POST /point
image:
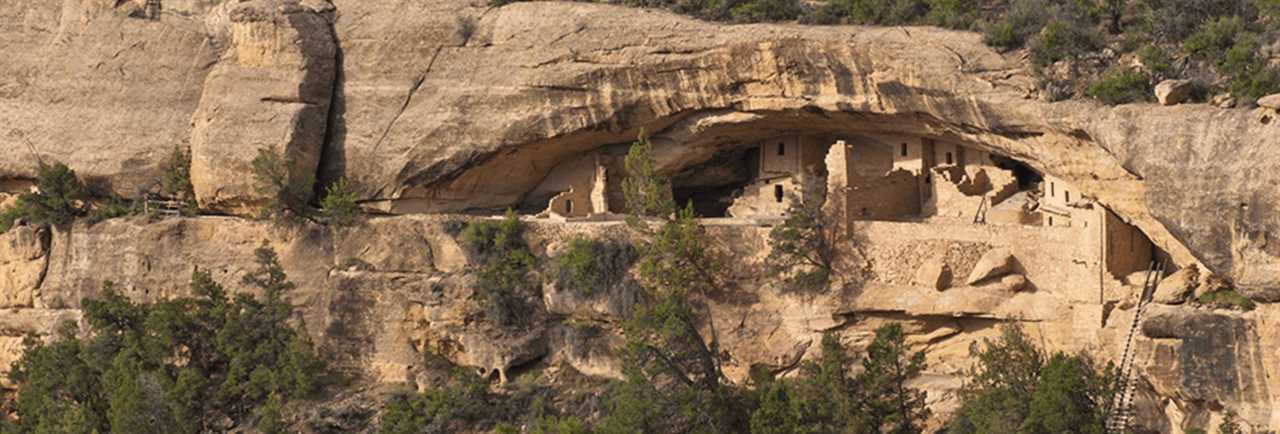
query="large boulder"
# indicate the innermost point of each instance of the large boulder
(994, 263)
(1270, 101)
(1014, 282)
(934, 273)
(271, 91)
(1171, 92)
(1175, 288)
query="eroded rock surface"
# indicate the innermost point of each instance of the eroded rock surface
(271, 89)
(429, 100)
(451, 105)
(24, 254)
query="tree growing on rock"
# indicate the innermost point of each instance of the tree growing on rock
(285, 197)
(889, 404)
(674, 381)
(822, 399)
(645, 192)
(339, 205)
(1015, 387)
(175, 182)
(177, 366)
(505, 262)
(802, 250)
(59, 198)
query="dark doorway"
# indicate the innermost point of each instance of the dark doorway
(1026, 176)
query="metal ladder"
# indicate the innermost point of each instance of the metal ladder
(1122, 405)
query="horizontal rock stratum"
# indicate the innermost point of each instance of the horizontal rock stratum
(447, 106)
(430, 100)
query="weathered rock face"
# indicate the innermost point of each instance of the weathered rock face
(377, 296)
(271, 89)
(23, 257)
(429, 100)
(449, 105)
(1210, 359)
(108, 94)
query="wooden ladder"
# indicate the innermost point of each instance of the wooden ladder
(163, 207)
(981, 215)
(1122, 405)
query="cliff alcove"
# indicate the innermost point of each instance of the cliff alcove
(970, 200)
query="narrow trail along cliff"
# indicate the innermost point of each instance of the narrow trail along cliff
(966, 200)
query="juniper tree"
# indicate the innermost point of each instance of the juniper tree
(59, 198)
(175, 366)
(674, 381)
(1015, 387)
(802, 249)
(505, 262)
(285, 195)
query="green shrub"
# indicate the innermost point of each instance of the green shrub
(175, 181)
(589, 265)
(1229, 424)
(176, 366)
(1068, 398)
(11, 215)
(59, 197)
(1226, 298)
(1227, 44)
(766, 10)
(1172, 21)
(1014, 387)
(1156, 61)
(462, 400)
(1212, 40)
(558, 425)
(1256, 82)
(270, 417)
(952, 14)
(1024, 19)
(1270, 8)
(285, 197)
(825, 14)
(1064, 39)
(1120, 87)
(339, 203)
(114, 207)
(505, 262)
(882, 12)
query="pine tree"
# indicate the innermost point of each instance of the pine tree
(889, 405)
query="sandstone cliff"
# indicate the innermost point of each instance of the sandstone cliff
(450, 106)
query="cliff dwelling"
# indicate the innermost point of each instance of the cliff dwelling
(876, 182)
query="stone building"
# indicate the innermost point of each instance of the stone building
(933, 182)
(579, 187)
(929, 182)
(790, 169)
